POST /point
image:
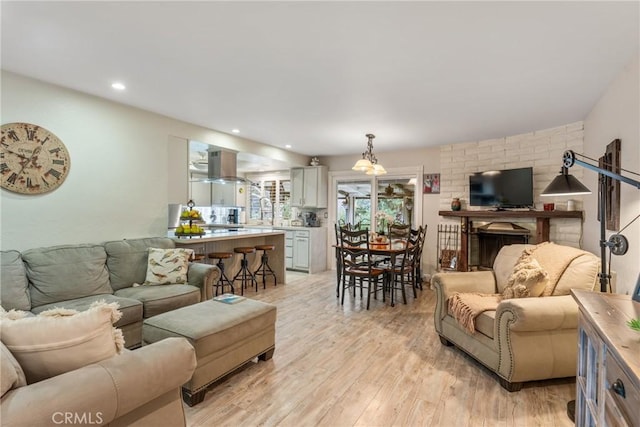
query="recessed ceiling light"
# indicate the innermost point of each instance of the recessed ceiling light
(287, 146)
(118, 86)
(235, 130)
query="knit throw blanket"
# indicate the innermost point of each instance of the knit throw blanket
(555, 259)
(466, 307)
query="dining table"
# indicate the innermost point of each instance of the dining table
(389, 249)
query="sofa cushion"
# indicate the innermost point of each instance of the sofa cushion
(167, 266)
(159, 299)
(131, 309)
(127, 261)
(485, 323)
(582, 273)
(556, 260)
(14, 291)
(61, 340)
(61, 273)
(504, 263)
(11, 373)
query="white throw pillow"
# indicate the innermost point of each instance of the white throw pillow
(528, 279)
(62, 340)
(167, 266)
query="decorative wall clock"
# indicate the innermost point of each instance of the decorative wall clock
(32, 159)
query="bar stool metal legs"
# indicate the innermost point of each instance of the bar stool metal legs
(265, 269)
(224, 280)
(244, 275)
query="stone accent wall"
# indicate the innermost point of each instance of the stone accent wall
(541, 149)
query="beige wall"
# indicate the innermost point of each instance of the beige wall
(118, 182)
(616, 115)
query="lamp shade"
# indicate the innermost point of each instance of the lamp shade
(565, 185)
(362, 165)
(377, 170)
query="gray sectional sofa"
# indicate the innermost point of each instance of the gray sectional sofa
(74, 276)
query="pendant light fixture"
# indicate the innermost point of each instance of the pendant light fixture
(369, 163)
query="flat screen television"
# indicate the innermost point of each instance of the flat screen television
(508, 188)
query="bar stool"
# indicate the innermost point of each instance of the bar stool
(265, 269)
(244, 274)
(223, 280)
(197, 257)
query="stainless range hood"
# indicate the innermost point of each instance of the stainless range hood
(223, 168)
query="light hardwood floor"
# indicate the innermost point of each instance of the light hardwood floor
(345, 366)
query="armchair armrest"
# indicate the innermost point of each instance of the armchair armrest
(446, 284)
(472, 281)
(536, 338)
(203, 276)
(540, 314)
(105, 390)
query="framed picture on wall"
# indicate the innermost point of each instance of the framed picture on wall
(431, 183)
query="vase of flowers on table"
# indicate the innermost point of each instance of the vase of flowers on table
(383, 219)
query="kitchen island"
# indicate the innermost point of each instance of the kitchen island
(224, 240)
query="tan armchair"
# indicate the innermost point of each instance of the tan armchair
(136, 388)
(524, 339)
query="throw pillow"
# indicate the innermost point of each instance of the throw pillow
(61, 340)
(528, 279)
(12, 375)
(167, 266)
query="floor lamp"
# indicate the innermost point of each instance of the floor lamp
(567, 185)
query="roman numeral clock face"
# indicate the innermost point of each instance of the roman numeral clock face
(32, 159)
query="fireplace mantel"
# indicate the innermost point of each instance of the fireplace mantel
(542, 225)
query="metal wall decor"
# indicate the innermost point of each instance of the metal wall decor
(611, 162)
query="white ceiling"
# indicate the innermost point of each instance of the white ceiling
(320, 75)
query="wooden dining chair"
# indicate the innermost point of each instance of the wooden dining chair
(402, 273)
(418, 236)
(358, 269)
(398, 231)
(338, 227)
(339, 266)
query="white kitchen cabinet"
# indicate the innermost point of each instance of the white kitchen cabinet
(223, 194)
(309, 187)
(241, 194)
(305, 248)
(199, 192)
(301, 250)
(288, 250)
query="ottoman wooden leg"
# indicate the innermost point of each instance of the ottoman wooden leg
(193, 399)
(267, 354)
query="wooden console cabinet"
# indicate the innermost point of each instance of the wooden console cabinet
(542, 225)
(607, 384)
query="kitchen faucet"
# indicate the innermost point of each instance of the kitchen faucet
(266, 207)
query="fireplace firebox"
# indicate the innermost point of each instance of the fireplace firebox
(495, 235)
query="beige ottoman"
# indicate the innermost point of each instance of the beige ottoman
(225, 336)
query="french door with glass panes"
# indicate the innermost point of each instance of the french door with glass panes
(358, 206)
